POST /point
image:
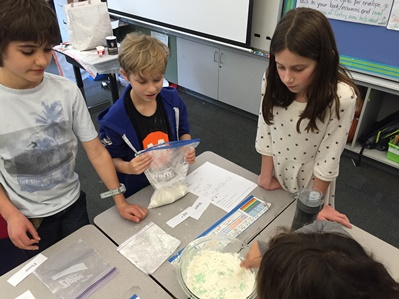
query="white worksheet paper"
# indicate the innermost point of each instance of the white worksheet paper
(221, 187)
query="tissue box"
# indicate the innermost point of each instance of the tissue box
(393, 152)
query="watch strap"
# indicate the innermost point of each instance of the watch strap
(119, 190)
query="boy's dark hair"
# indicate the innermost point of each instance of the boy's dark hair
(321, 265)
(27, 20)
(307, 33)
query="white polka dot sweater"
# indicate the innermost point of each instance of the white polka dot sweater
(298, 157)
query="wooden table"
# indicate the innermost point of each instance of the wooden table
(127, 281)
(382, 251)
(119, 229)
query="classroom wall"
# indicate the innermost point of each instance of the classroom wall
(265, 16)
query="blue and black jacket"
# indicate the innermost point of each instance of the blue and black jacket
(120, 138)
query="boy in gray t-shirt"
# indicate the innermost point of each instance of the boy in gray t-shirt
(42, 117)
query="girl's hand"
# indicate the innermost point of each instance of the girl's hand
(139, 164)
(190, 156)
(253, 257)
(329, 213)
(268, 183)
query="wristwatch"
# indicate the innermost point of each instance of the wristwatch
(113, 192)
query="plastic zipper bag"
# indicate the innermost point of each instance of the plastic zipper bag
(75, 272)
(168, 170)
(149, 248)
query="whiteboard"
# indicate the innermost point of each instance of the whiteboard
(225, 20)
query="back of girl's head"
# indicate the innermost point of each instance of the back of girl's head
(27, 21)
(139, 53)
(321, 265)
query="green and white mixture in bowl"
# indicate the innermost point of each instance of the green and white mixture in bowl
(209, 267)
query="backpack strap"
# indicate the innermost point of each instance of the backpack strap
(359, 157)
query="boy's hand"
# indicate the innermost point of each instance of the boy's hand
(139, 164)
(253, 257)
(190, 156)
(18, 227)
(132, 212)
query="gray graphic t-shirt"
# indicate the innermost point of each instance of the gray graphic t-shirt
(39, 132)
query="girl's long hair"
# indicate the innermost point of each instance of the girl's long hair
(307, 33)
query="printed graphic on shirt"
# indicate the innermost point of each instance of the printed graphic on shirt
(106, 141)
(155, 138)
(39, 157)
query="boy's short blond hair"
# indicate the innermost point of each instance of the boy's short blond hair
(139, 53)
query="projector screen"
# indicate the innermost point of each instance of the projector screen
(223, 20)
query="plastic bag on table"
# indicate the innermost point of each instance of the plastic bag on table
(75, 272)
(88, 24)
(168, 171)
(149, 248)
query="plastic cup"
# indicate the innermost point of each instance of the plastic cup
(100, 50)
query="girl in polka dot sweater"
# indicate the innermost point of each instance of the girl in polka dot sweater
(308, 103)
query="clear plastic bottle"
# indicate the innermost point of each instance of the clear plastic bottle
(309, 204)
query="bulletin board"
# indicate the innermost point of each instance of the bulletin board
(365, 48)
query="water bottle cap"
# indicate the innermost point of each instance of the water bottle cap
(314, 196)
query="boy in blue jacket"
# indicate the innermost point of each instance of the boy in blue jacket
(147, 113)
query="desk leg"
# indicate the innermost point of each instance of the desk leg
(79, 81)
(114, 87)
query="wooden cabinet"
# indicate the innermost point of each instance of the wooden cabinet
(231, 76)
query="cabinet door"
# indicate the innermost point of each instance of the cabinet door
(197, 67)
(240, 80)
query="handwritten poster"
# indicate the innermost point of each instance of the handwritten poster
(370, 12)
(394, 18)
